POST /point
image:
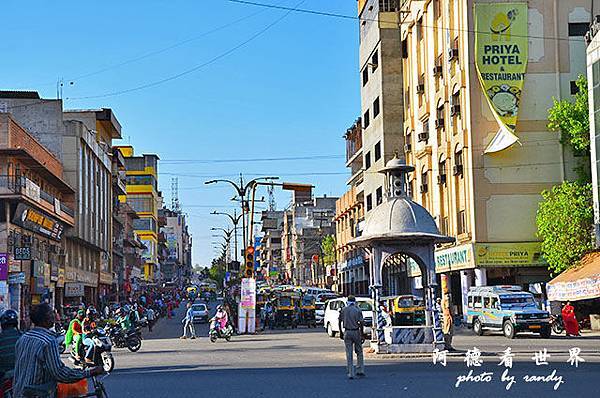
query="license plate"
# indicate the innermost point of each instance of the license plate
(535, 327)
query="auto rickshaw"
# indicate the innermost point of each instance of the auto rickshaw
(285, 309)
(407, 310)
(307, 309)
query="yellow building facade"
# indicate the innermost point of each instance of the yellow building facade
(143, 197)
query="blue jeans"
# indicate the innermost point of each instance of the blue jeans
(89, 344)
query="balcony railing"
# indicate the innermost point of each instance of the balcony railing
(18, 185)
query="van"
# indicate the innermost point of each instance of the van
(505, 308)
(332, 314)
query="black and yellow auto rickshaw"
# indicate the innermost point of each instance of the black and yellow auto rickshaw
(285, 309)
(407, 310)
(307, 308)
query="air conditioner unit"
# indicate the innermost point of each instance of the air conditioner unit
(453, 54)
(454, 110)
(438, 70)
(420, 88)
(457, 169)
(439, 123)
(442, 179)
(423, 137)
(407, 147)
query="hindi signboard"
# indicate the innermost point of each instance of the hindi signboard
(248, 293)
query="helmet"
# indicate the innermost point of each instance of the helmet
(91, 312)
(9, 318)
(80, 313)
(219, 308)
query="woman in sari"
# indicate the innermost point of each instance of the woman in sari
(569, 320)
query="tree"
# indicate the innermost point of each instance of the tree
(572, 119)
(328, 249)
(565, 223)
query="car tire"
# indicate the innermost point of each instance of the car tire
(509, 329)
(477, 327)
(330, 331)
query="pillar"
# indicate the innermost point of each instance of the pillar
(480, 277)
(466, 278)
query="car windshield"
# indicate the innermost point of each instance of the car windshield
(364, 306)
(517, 301)
(199, 307)
(405, 302)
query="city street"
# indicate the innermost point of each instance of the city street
(307, 363)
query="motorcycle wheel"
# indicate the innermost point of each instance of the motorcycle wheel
(134, 344)
(108, 362)
(228, 337)
(213, 339)
(557, 328)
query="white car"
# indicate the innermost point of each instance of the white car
(319, 312)
(332, 313)
(199, 313)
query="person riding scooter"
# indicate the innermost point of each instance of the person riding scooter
(75, 332)
(89, 325)
(221, 317)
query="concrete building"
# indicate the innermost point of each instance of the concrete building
(482, 193)
(380, 92)
(304, 225)
(37, 209)
(143, 197)
(352, 270)
(593, 77)
(272, 228)
(174, 231)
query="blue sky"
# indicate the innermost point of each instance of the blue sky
(292, 91)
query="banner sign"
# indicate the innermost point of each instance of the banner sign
(22, 253)
(74, 289)
(248, 293)
(501, 53)
(35, 221)
(528, 254)
(581, 289)
(3, 266)
(17, 278)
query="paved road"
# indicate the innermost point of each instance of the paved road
(307, 363)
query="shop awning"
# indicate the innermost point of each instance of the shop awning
(579, 283)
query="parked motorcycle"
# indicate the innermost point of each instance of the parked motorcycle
(557, 324)
(218, 333)
(101, 356)
(130, 339)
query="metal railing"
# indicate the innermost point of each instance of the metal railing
(17, 184)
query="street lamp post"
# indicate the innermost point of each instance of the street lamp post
(235, 219)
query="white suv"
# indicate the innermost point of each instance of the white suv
(332, 313)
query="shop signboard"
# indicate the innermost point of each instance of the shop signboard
(519, 254)
(74, 289)
(16, 278)
(35, 221)
(32, 190)
(13, 265)
(53, 272)
(3, 266)
(23, 253)
(38, 285)
(248, 293)
(46, 274)
(447, 260)
(37, 269)
(60, 281)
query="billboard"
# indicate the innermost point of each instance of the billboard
(501, 53)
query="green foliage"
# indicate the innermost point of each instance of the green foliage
(216, 271)
(571, 118)
(565, 223)
(328, 249)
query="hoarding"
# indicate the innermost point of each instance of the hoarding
(35, 221)
(248, 293)
(509, 254)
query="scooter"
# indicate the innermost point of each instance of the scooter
(557, 324)
(219, 333)
(130, 339)
(101, 355)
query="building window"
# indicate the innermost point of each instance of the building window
(378, 151)
(369, 202)
(367, 160)
(379, 196)
(442, 176)
(461, 223)
(376, 108)
(375, 60)
(458, 164)
(424, 182)
(578, 28)
(365, 75)
(404, 49)
(366, 120)
(574, 88)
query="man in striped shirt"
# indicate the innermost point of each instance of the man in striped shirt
(38, 362)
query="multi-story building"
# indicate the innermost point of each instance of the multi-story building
(593, 76)
(174, 233)
(87, 158)
(271, 249)
(143, 197)
(482, 187)
(305, 225)
(118, 222)
(381, 93)
(352, 268)
(36, 204)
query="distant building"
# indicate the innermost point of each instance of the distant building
(272, 228)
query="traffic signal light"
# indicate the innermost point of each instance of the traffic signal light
(249, 268)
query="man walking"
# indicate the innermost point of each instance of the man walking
(351, 319)
(188, 323)
(150, 317)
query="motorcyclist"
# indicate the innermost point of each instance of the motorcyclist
(89, 325)
(75, 332)
(9, 320)
(222, 318)
(123, 319)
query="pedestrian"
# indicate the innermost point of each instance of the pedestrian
(570, 320)
(352, 320)
(151, 318)
(188, 323)
(447, 321)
